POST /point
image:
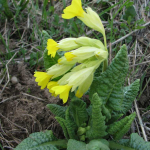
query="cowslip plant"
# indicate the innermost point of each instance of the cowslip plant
(101, 124)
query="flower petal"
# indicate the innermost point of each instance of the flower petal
(42, 78)
(75, 9)
(52, 47)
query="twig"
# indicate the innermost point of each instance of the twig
(145, 113)
(140, 63)
(3, 78)
(14, 123)
(137, 127)
(124, 37)
(33, 97)
(7, 73)
(140, 120)
(10, 98)
(18, 60)
(147, 128)
(6, 35)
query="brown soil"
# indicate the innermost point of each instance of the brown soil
(23, 109)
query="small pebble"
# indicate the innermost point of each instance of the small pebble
(14, 80)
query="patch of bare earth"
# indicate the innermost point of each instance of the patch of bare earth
(23, 108)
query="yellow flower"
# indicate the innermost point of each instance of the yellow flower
(90, 18)
(79, 78)
(52, 47)
(58, 70)
(75, 9)
(51, 85)
(62, 91)
(64, 45)
(68, 44)
(69, 56)
(85, 41)
(82, 53)
(64, 61)
(42, 78)
(85, 85)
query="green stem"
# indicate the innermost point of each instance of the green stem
(7, 10)
(118, 146)
(105, 63)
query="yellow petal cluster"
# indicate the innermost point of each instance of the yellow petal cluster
(77, 66)
(42, 78)
(62, 91)
(75, 9)
(90, 17)
(64, 45)
(52, 47)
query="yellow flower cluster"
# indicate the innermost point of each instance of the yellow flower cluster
(90, 17)
(88, 53)
(79, 64)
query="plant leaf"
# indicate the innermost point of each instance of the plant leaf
(76, 145)
(106, 112)
(62, 123)
(48, 60)
(97, 122)
(38, 140)
(130, 12)
(78, 109)
(114, 118)
(70, 125)
(118, 129)
(138, 143)
(130, 94)
(109, 84)
(57, 110)
(99, 144)
(134, 143)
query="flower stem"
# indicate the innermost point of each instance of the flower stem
(105, 63)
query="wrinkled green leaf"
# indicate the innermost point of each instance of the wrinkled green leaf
(70, 125)
(78, 109)
(134, 143)
(97, 122)
(76, 145)
(138, 143)
(118, 129)
(130, 94)
(110, 84)
(38, 141)
(99, 144)
(57, 110)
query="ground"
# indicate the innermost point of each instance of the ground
(23, 108)
(22, 103)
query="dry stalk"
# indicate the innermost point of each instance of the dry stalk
(140, 121)
(8, 77)
(14, 123)
(139, 118)
(124, 37)
(33, 97)
(10, 98)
